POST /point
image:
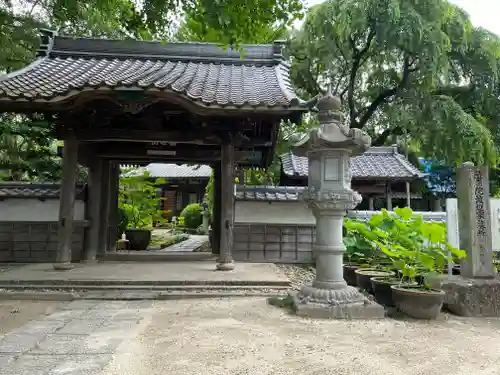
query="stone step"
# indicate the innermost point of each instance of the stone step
(141, 288)
(149, 256)
(146, 284)
(63, 294)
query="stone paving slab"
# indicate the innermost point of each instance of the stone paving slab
(78, 340)
(146, 273)
(191, 244)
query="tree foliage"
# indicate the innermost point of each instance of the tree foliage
(26, 146)
(415, 67)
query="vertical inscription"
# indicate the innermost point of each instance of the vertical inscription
(480, 210)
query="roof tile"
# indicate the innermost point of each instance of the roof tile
(376, 163)
(204, 73)
(34, 190)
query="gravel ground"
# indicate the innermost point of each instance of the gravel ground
(14, 314)
(298, 274)
(247, 336)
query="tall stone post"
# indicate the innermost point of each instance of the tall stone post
(474, 221)
(476, 292)
(329, 195)
(67, 204)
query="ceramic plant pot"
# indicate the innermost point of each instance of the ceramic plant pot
(417, 302)
(139, 239)
(363, 277)
(382, 289)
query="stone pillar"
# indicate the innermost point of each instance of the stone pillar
(113, 206)
(225, 261)
(104, 208)
(94, 206)
(329, 195)
(67, 204)
(474, 221)
(205, 218)
(216, 220)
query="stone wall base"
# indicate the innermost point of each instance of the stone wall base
(472, 297)
(370, 310)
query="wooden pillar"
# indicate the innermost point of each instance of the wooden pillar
(104, 207)
(371, 203)
(225, 261)
(408, 194)
(388, 196)
(114, 185)
(216, 219)
(94, 206)
(67, 204)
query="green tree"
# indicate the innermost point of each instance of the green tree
(415, 67)
(21, 154)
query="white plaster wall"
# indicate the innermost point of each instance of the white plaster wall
(20, 209)
(273, 213)
(452, 222)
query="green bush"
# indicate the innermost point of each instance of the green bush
(192, 215)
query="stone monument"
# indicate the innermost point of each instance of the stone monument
(329, 195)
(476, 292)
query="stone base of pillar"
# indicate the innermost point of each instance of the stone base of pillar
(470, 297)
(224, 266)
(344, 303)
(63, 266)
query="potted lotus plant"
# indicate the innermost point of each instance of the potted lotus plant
(418, 250)
(373, 264)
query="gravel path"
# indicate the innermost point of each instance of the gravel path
(298, 275)
(247, 336)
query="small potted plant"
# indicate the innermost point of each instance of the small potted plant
(138, 198)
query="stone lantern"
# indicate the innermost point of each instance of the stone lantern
(329, 149)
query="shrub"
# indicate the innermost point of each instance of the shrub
(192, 215)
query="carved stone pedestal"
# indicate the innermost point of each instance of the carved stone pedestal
(329, 196)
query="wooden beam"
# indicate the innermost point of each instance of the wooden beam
(67, 204)
(198, 137)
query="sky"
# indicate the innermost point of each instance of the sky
(483, 13)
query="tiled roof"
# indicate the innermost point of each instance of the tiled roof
(287, 193)
(200, 72)
(175, 171)
(34, 190)
(268, 193)
(376, 163)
